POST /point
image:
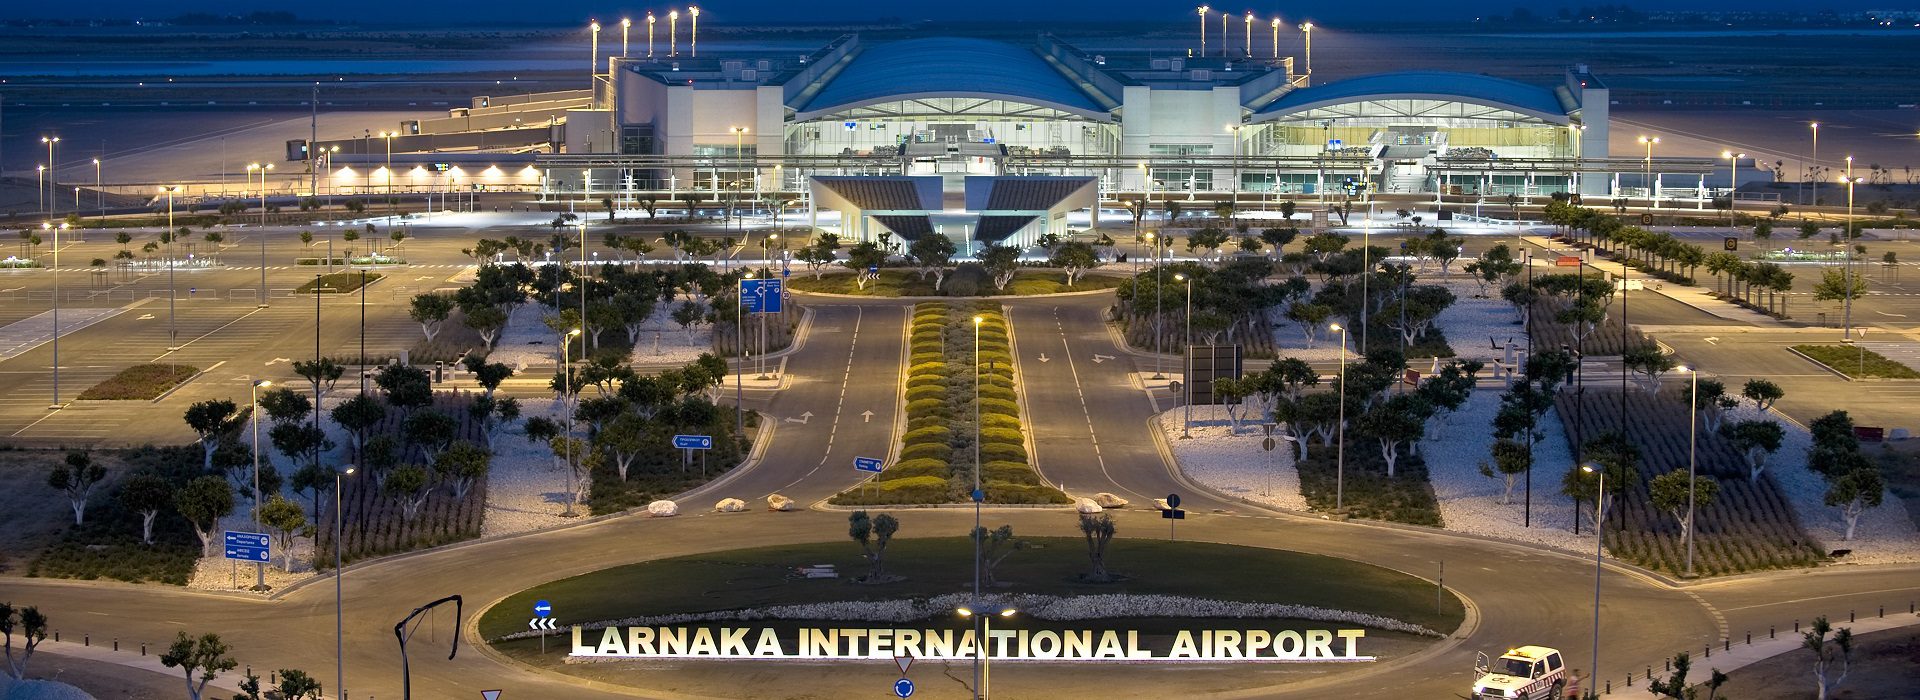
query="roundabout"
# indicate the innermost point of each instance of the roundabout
(694, 625)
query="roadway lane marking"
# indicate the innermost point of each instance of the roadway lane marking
(1066, 353)
(24, 335)
(1822, 597)
(859, 314)
(208, 334)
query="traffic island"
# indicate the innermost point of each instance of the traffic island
(777, 616)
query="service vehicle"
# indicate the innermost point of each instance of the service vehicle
(1530, 672)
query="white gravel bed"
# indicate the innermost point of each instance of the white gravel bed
(663, 342)
(526, 341)
(1234, 464)
(1885, 534)
(1455, 446)
(526, 488)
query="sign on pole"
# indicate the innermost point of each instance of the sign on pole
(542, 608)
(693, 442)
(866, 464)
(903, 688)
(247, 546)
(761, 296)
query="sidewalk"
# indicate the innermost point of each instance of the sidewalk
(1695, 296)
(129, 656)
(1787, 641)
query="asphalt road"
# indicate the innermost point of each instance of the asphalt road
(1089, 431)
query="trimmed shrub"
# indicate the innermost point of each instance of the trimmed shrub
(993, 391)
(925, 357)
(1001, 406)
(919, 380)
(1009, 472)
(1024, 493)
(926, 422)
(998, 420)
(936, 368)
(1003, 452)
(910, 468)
(928, 407)
(1001, 435)
(939, 435)
(927, 391)
(927, 450)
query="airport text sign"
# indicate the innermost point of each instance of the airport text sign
(814, 643)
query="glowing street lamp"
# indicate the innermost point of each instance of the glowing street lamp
(1223, 34)
(693, 42)
(625, 24)
(1249, 23)
(1276, 37)
(650, 20)
(593, 59)
(1599, 543)
(1307, 29)
(53, 173)
(1733, 180)
(56, 311)
(673, 33)
(1809, 168)
(1847, 249)
(1186, 345)
(982, 662)
(1693, 430)
(1203, 9)
(1652, 191)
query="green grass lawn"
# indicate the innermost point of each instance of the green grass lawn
(750, 578)
(139, 383)
(1857, 362)
(907, 283)
(339, 282)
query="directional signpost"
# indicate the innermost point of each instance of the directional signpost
(542, 621)
(903, 688)
(688, 443)
(761, 296)
(247, 546)
(1172, 513)
(866, 464)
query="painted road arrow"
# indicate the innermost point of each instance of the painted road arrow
(804, 417)
(1043, 357)
(868, 415)
(1099, 358)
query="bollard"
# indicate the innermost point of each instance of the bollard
(1669, 665)
(1749, 638)
(56, 635)
(1769, 631)
(1796, 626)
(1709, 649)
(1849, 615)
(1726, 645)
(1609, 687)
(1883, 611)
(1649, 673)
(143, 648)
(116, 643)
(1629, 679)
(86, 640)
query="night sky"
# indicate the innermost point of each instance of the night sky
(745, 11)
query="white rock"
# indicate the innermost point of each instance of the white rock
(663, 509)
(1108, 500)
(730, 505)
(779, 503)
(1086, 506)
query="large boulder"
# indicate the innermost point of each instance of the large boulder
(779, 503)
(730, 505)
(663, 509)
(1108, 500)
(1086, 506)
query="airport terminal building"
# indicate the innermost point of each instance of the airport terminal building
(943, 117)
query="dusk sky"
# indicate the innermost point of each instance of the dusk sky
(374, 11)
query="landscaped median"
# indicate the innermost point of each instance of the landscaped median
(1255, 605)
(1855, 362)
(139, 383)
(338, 282)
(936, 453)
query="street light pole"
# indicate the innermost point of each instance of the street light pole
(1693, 431)
(978, 669)
(55, 406)
(1203, 30)
(53, 175)
(1340, 459)
(1186, 423)
(1307, 30)
(259, 569)
(740, 355)
(173, 327)
(1159, 335)
(625, 24)
(99, 197)
(650, 20)
(1733, 178)
(1599, 542)
(1846, 250)
(1815, 164)
(1647, 174)
(339, 617)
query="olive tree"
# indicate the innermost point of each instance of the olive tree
(1670, 492)
(76, 477)
(206, 655)
(873, 533)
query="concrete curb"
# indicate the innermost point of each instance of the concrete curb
(996, 297)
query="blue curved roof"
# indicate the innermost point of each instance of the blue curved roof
(1435, 85)
(949, 67)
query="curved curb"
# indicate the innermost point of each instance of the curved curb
(918, 299)
(753, 459)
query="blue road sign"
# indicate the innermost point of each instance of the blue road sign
(761, 296)
(866, 464)
(903, 688)
(246, 539)
(786, 272)
(873, 269)
(542, 608)
(693, 442)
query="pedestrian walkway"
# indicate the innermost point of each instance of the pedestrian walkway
(1733, 655)
(1695, 296)
(131, 655)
